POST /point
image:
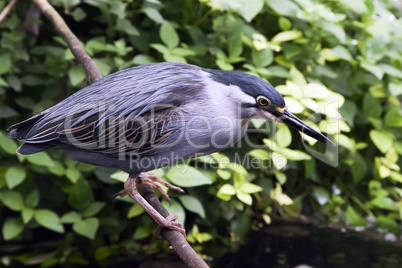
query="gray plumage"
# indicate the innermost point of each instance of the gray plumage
(158, 113)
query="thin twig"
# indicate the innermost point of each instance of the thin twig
(7, 9)
(73, 43)
(175, 238)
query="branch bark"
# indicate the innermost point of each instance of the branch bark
(7, 9)
(73, 43)
(175, 238)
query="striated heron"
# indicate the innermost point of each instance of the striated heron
(150, 116)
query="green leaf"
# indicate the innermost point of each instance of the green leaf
(49, 219)
(390, 70)
(321, 195)
(262, 58)
(27, 215)
(32, 199)
(142, 59)
(294, 155)
(102, 253)
(119, 176)
(117, 8)
(32, 80)
(284, 24)
(127, 27)
(70, 217)
(354, 218)
(283, 136)
(73, 174)
(359, 168)
(260, 154)
(371, 106)
(383, 140)
(87, 227)
(250, 188)
(384, 203)
(50, 263)
(388, 224)
(3, 83)
(235, 46)
(286, 36)
(12, 199)
(41, 159)
(12, 227)
(223, 65)
(76, 75)
(395, 89)
(141, 233)
(93, 209)
(103, 67)
(187, 176)
(227, 189)
(394, 118)
(224, 174)
(348, 111)
(357, 6)
(7, 144)
(335, 30)
(169, 35)
(245, 198)
(280, 176)
(258, 122)
(14, 82)
(283, 7)
(237, 168)
(5, 65)
(192, 204)
(154, 14)
(171, 57)
(248, 9)
(396, 176)
(135, 210)
(78, 14)
(374, 69)
(373, 49)
(14, 176)
(279, 196)
(343, 53)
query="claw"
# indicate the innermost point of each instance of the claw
(122, 193)
(130, 187)
(176, 226)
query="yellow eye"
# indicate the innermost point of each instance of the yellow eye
(263, 101)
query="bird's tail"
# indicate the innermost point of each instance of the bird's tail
(21, 130)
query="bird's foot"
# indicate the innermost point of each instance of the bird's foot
(169, 222)
(152, 180)
(130, 188)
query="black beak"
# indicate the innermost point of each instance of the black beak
(289, 119)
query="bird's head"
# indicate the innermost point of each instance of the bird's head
(265, 101)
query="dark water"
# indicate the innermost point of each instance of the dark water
(309, 246)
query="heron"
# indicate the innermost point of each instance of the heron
(150, 116)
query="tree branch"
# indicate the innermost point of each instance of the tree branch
(175, 238)
(73, 43)
(7, 9)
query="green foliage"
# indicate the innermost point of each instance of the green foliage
(338, 64)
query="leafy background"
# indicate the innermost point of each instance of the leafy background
(56, 211)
